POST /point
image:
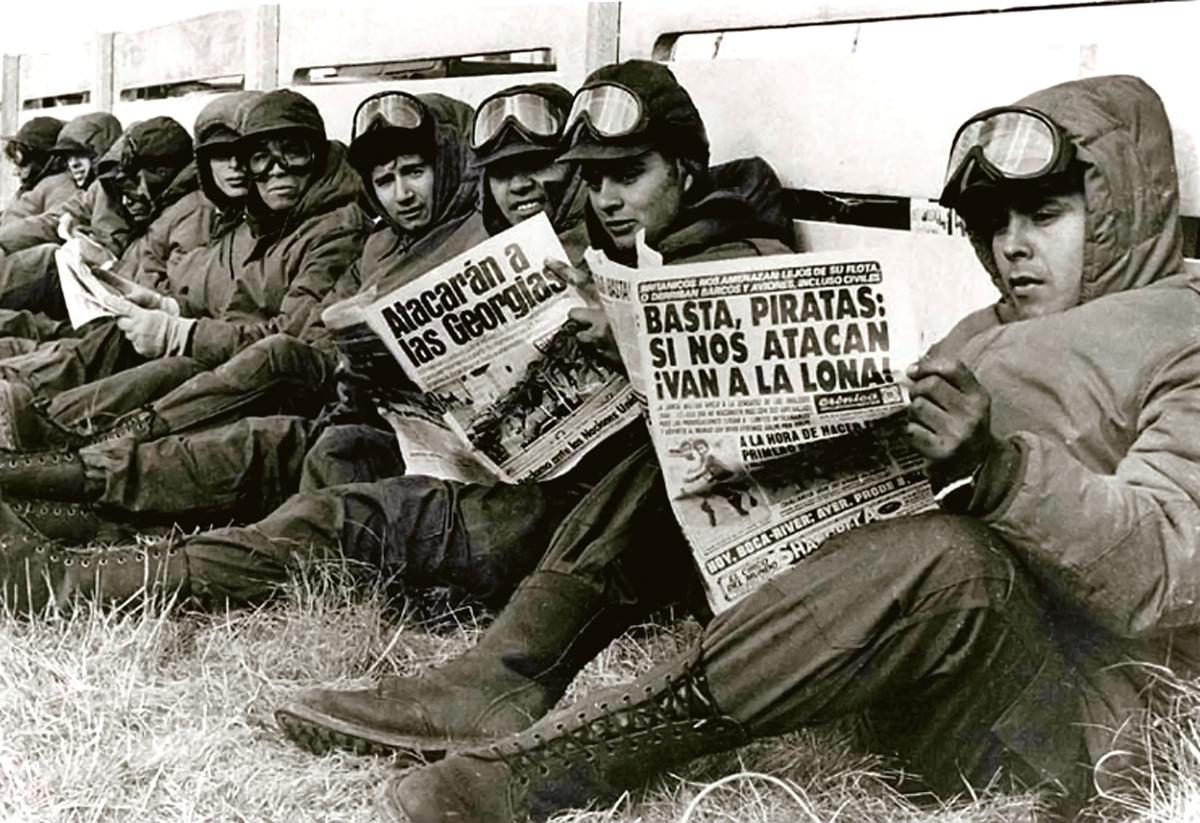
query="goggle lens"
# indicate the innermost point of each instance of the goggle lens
(289, 155)
(396, 109)
(611, 110)
(531, 112)
(1017, 144)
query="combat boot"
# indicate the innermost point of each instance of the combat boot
(73, 523)
(553, 625)
(37, 575)
(139, 426)
(24, 424)
(53, 475)
(593, 750)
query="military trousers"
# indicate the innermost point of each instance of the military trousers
(926, 630)
(276, 375)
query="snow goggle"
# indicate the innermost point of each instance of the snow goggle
(291, 155)
(394, 109)
(130, 182)
(15, 151)
(1008, 143)
(531, 114)
(609, 110)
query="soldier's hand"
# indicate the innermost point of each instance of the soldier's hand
(579, 278)
(949, 418)
(93, 253)
(66, 227)
(596, 332)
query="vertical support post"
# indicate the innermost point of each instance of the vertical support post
(603, 35)
(10, 117)
(262, 47)
(104, 81)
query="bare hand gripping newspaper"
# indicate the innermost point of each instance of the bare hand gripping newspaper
(774, 395)
(508, 393)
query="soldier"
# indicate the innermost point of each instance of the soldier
(990, 641)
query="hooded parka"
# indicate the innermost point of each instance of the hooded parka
(392, 256)
(28, 276)
(295, 264)
(199, 217)
(92, 134)
(1097, 487)
(485, 539)
(51, 185)
(159, 141)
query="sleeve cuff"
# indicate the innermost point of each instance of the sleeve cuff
(996, 478)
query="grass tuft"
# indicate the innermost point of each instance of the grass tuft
(165, 714)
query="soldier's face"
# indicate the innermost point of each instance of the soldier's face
(79, 166)
(1037, 242)
(404, 188)
(229, 174)
(283, 168)
(526, 185)
(634, 193)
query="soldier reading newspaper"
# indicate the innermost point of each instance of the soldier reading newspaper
(486, 336)
(749, 369)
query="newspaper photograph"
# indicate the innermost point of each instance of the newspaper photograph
(775, 396)
(487, 337)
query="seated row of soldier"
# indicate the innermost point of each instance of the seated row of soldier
(979, 643)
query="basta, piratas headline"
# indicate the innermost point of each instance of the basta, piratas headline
(469, 303)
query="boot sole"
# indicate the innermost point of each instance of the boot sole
(321, 734)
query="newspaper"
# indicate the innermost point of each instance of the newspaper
(89, 293)
(487, 338)
(775, 393)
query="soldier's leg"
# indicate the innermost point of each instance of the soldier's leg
(357, 453)
(276, 375)
(33, 326)
(99, 404)
(29, 281)
(16, 346)
(616, 557)
(241, 471)
(927, 628)
(56, 366)
(925, 625)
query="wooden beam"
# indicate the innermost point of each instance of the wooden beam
(603, 34)
(10, 117)
(104, 92)
(262, 48)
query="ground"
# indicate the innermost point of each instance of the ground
(165, 714)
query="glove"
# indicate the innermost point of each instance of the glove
(154, 333)
(150, 299)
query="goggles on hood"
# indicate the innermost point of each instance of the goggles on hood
(18, 153)
(608, 109)
(392, 109)
(1007, 143)
(531, 114)
(290, 154)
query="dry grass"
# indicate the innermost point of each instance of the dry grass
(164, 715)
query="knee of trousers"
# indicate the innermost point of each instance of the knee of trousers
(927, 554)
(282, 356)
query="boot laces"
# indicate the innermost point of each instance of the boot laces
(23, 460)
(28, 508)
(119, 557)
(615, 724)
